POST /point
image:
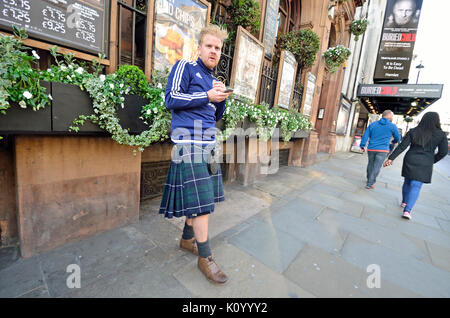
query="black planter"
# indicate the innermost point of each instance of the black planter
(300, 134)
(69, 101)
(129, 115)
(25, 120)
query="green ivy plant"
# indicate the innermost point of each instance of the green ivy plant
(358, 27)
(304, 44)
(265, 118)
(335, 57)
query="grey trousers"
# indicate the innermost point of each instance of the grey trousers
(376, 160)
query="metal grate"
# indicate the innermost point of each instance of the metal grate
(284, 157)
(268, 85)
(153, 176)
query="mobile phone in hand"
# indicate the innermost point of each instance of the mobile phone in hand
(228, 90)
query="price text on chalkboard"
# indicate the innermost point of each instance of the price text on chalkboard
(79, 24)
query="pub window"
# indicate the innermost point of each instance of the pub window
(132, 32)
(288, 16)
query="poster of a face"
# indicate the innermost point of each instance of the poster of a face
(397, 39)
(177, 26)
(286, 86)
(247, 64)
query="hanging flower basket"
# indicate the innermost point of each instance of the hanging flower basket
(335, 57)
(358, 27)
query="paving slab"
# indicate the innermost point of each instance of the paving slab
(21, 278)
(324, 274)
(445, 225)
(276, 249)
(248, 278)
(371, 232)
(440, 256)
(424, 279)
(338, 204)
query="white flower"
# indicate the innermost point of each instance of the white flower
(111, 85)
(155, 110)
(148, 111)
(63, 67)
(35, 55)
(50, 97)
(122, 105)
(49, 70)
(27, 94)
(79, 70)
(22, 104)
(102, 77)
(121, 85)
(70, 66)
(159, 85)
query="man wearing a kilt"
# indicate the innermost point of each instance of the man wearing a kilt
(197, 100)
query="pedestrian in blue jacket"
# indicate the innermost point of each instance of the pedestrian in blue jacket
(197, 100)
(379, 134)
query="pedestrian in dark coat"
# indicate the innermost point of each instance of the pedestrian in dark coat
(418, 161)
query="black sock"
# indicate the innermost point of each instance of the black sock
(188, 232)
(203, 249)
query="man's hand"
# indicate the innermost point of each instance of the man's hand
(218, 84)
(363, 149)
(217, 95)
(387, 163)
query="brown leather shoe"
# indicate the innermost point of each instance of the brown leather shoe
(208, 266)
(189, 245)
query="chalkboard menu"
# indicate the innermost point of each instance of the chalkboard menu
(80, 24)
(270, 26)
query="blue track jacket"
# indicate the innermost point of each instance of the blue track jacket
(379, 134)
(186, 96)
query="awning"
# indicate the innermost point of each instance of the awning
(402, 99)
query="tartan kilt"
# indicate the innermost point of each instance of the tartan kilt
(189, 189)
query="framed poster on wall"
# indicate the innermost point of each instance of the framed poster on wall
(286, 78)
(270, 26)
(247, 65)
(177, 24)
(343, 116)
(309, 94)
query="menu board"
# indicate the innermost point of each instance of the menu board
(309, 94)
(270, 26)
(286, 78)
(79, 24)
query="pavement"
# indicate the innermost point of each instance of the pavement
(300, 233)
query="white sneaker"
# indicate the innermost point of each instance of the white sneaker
(406, 215)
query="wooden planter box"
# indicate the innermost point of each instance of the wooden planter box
(69, 102)
(26, 120)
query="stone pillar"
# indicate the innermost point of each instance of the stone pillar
(296, 152)
(69, 188)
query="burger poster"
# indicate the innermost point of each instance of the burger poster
(176, 28)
